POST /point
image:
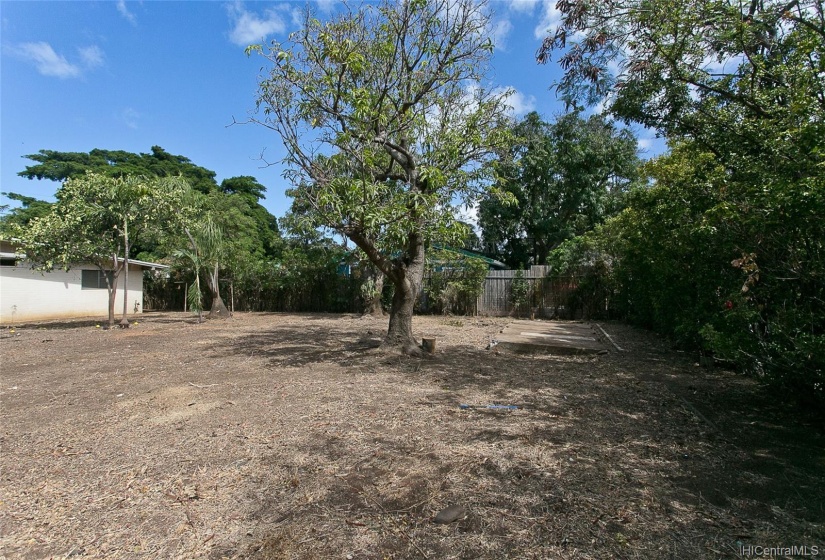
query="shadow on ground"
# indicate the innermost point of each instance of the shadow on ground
(635, 455)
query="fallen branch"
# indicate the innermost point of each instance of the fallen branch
(203, 386)
(604, 332)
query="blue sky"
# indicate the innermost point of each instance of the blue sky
(118, 75)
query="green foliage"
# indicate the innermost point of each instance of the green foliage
(59, 166)
(713, 70)
(95, 220)
(234, 204)
(370, 289)
(454, 281)
(207, 250)
(725, 252)
(305, 278)
(721, 266)
(564, 178)
(243, 185)
(95, 216)
(586, 260)
(13, 220)
(519, 291)
(194, 293)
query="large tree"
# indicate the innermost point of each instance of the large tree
(96, 220)
(387, 124)
(565, 176)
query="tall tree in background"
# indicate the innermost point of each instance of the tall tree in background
(245, 193)
(59, 166)
(566, 177)
(386, 124)
(13, 218)
(95, 220)
(234, 204)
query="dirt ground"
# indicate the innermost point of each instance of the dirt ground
(293, 436)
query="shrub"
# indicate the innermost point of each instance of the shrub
(454, 282)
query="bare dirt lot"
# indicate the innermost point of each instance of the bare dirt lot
(293, 436)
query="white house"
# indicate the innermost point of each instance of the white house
(30, 295)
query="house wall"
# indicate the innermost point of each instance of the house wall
(28, 295)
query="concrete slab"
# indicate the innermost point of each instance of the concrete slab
(551, 337)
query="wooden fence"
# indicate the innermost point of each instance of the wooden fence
(546, 297)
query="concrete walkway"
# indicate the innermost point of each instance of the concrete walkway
(552, 337)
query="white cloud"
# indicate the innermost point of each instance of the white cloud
(91, 56)
(48, 62)
(326, 6)
(499, 34)
(522, 6)
(130, 117)
(645, 143)
(249, 27)
(124, 11)
(297, 17)
(519, 103)
(550, 19)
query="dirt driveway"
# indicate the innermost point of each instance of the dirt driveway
(292, 436)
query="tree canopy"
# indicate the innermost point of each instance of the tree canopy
(744, 80)
(386, 121)
(59, 166)
(12, 219)
(565, 177)
(244, 185)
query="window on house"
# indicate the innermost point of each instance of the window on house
(8, 261)
(94, 279)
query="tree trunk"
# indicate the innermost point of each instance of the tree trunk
(112, 298)
(124, 322)
(374, 306)
(399, 334)
(111, 285)
(407, 275)
(407, 284)
(218, 309)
